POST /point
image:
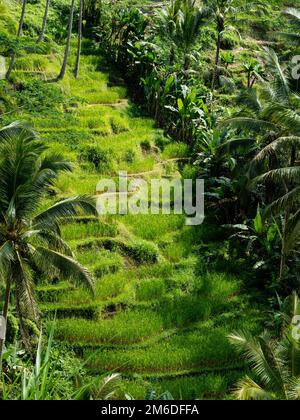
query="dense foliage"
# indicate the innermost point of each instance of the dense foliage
(219, 80)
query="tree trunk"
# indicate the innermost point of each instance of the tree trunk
(19, 33)
(76, 69)
(216, 71)
(67, 50)
(4, 314)
(45, 18)
(249, 80)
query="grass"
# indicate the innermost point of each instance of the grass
(206, 348)
(123, 328)
(205, 386)
(157, 316)
(84, 230)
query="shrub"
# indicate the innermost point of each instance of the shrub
(33, 63)
(12, 329)
(37, 96)
(101, 159)
(146, 146)
(129, 156)
(141, 251)
(161, 141)
(118, 124)
(144, 252)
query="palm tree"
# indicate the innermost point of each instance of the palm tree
(67, 49)
(30, 239)
(294, 15)
(76, 69)
(220, 11)
(224, 14)
(273, 112)
(181, 22)
(44, 24)
(19, 33)
(275, 363)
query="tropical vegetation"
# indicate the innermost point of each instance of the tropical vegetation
(144, 306)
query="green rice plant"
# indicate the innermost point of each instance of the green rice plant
(140, 251)
(77, 183)
(84, 310)
(100, 158)
(51, 293)
(92, 257)
(117, 286)
(175, 251)
(123, 328)
(95, 229)
(32, 63)
(205, 386)
(153, 227)
(205, 349)
(175, 150)
(137, 165)
(118, 124)
(150, 289)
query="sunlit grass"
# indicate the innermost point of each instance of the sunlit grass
(124, 328)
(206, 348)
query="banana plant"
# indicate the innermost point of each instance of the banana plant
(192, 114)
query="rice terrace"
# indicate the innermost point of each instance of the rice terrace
(149, 200)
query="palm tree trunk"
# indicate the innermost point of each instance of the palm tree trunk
(4, 314)
(249, 80)
(19, 33)
(67, 50)
(76, 69)
(45, 18)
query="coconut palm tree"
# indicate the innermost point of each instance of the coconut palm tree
(76, 68)
(44, 24)
(30, 239)
(225, 14)
(67, 49)
(19, 33)
(180, 22)
(294, 15)
(273, 112)
(220, 12)
(275, 363)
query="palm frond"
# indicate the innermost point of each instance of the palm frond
(282, 203)
(68, 208)
(22, 276)
(251, 124)
(289, 174)
(277, 146)
(235, 144)
(247, 389)
(7, 255)
(107, 388)
(293, 231)
(261, 353)
(281, 78)
(69, 269)
(294, 13)
(294, 389)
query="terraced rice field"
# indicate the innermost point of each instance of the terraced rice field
(157, 317)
